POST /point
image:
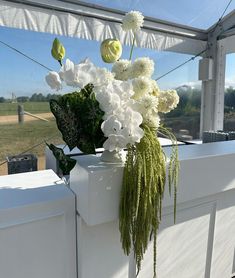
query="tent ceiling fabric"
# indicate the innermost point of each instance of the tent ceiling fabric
(74, 20)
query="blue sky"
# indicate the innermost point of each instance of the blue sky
(22, 77)
(197, 13)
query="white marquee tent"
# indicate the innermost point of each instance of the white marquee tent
(94, 22)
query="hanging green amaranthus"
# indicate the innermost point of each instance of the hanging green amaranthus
(142, 193)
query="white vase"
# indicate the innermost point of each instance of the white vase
(113, 157)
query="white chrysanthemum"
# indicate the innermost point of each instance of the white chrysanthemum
(168, 100)
(152, 120)
(155, 88)
(53, 80)
(147, 104)
(132, 21)
(142, 67)
(141, 86)
(121, 69)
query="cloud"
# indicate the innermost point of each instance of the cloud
(230, 82)
(191, 84)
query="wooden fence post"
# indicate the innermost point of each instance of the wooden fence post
(20, 114)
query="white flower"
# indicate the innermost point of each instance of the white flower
(67, 73)
(152, 119)
(141, 86)
(132, 21)
(115, 143)
(121, 69)
(155, 88)
(103, 77)
(53, 80)
(132, 117)
(108, 101)
(111, 126)
(132, 134)
(168, 100)
(122, 121)
(123, 88)
(142, 67)
(148, 104)
(83, 73)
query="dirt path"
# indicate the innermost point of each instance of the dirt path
(14, 118)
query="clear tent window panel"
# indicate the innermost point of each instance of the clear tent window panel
(199, 14)
(229, 96)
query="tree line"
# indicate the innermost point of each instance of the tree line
(189, 103)
(34, 98)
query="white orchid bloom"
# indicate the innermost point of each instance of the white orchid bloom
(133, 117)
(115, 143)
(67, 73)
(111, 126)
(132, 134)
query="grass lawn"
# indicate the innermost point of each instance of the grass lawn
(32, 107)
(16, 138)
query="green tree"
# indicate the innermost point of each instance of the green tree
(2, 99)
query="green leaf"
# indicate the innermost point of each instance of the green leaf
(66, 123)
(79, 119)
(66, 164)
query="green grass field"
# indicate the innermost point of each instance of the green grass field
(16, 138)
(32, 107)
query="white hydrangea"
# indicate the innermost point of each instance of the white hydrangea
(132, 21)
(103, 77)
(142, 67)
(121, 69)
(108, 100)
(53, 80)
(123, 88)
(141, 86)
(168, 100)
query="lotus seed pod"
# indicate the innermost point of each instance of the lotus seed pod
(111, 50)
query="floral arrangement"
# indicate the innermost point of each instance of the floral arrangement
(119, 109)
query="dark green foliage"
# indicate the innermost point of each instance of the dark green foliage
(66, 164)
(79, 118)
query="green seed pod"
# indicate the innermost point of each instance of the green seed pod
(58, 50)
(111, 50)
